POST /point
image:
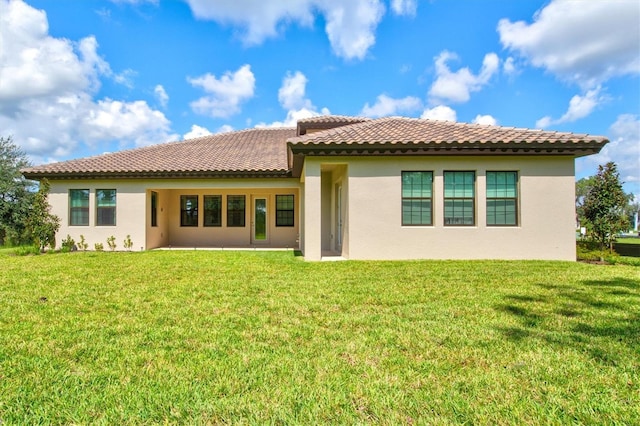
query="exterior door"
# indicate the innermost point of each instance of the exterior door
(339, 217)
(260, 220)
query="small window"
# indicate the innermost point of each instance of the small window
(284, 210)
(79, 207)
(417, 205)
(459, 198)
(212, 210)
(188, 210)
(502, 198)
(235, 210)
(105, 207)
(154, 208)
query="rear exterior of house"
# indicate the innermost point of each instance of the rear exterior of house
(391, 188)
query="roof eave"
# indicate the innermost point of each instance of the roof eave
(593, 146)
(37, 175)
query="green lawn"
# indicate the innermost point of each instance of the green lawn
(628, 240)
(206, 337)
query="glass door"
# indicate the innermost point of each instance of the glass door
(260, 220)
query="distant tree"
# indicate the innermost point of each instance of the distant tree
(16, 193)
(583, 186)
(41, 224)
(604, 206)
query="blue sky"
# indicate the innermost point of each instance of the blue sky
(80, 78)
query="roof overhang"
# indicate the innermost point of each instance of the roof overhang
(300, 151)
(35, 175)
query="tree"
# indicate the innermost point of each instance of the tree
(16, 192)
(41, 224)
(633, 211)
(604, 206)
(583, 186)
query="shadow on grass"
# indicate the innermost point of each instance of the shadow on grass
(601, 318)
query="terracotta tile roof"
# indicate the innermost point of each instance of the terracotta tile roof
(264, 152)
(400, 131)
(253, 152)
(327, 122)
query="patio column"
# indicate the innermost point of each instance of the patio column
(312, 211)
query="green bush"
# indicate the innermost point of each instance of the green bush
(98, 246)
(68, 244)
(128, 243)
(82, 244)
(111, 242)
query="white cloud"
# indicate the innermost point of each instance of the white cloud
(292, 97)
(292, 92)
(116, 120)
(457, 86)
(441, 113)
(586, 42)
(125, 78)
(623, 149)
(224, 94)
(47, 88)
(350, 24)
(386, 106)
(196, 132)
(161, 95)
(404, 7)
(579, 107)
(509, 66)
(225, 128)
(486, 120)
(199, 131)
(35, 64)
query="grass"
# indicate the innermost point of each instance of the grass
(628, 240)
(197, 337)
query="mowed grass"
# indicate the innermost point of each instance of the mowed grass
(202, 337)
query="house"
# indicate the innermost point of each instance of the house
(388, 188)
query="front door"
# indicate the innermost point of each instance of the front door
(260, 220)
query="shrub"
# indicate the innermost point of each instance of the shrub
(98, 246)
(111, 242)
(82, 244)
(128, 243)
(68, 244)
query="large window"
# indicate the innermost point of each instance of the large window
(284, 210)
(502, 198)
(78, 207)
(417, 205)
(154, 208)
(212, 210)
(459, 198)
(235, 210)
(188, 210)
(105, 207)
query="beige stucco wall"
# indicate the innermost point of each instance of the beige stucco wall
(133, 212)
(130, 217)
(371, 210)
(375, 231)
